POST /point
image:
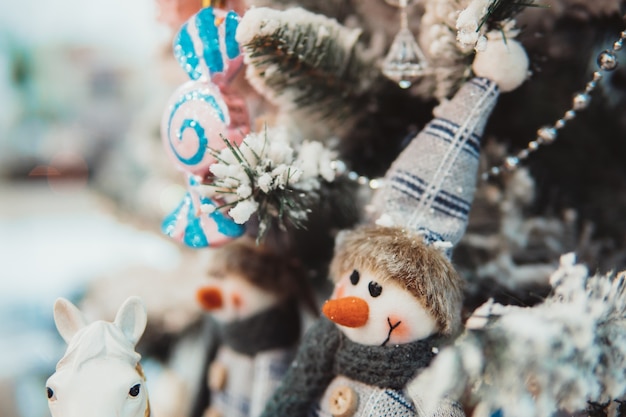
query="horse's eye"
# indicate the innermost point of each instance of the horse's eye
(134, 390)
(375, 289)
(50, 393)
(354, 277)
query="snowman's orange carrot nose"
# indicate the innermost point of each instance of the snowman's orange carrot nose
(347, 311)
(210, 298)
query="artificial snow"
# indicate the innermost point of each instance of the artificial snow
(534, 361)
(273, 160)
(242, 211)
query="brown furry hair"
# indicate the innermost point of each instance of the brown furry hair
(269, 270)
(403, 256)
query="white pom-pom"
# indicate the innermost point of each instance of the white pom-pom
(503, 62)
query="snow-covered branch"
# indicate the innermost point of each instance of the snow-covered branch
(273, 174)
(560, 354)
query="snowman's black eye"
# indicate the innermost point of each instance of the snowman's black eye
(134, 390)
(354, 277)
(50, 393)
(375, 289)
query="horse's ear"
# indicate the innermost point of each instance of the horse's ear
(132, 319)
(68, 319)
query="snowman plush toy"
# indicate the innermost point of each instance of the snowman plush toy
(254, 294)
(397, 297)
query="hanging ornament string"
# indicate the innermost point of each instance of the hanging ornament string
(220, 4)
(405, 61)
(606, 61)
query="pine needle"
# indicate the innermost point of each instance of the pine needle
(502, 10)
(310, 64)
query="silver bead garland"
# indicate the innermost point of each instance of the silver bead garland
(606, 61)
(340, 168)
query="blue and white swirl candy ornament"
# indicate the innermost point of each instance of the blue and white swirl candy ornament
(195, 123)
(196, 229)
(200, 114)
(205, 46)
(203, 110)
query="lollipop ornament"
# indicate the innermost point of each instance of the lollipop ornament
(200, 114)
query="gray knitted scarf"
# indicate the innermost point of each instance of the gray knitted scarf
(277, 327)
(326, 352)
(391, 366)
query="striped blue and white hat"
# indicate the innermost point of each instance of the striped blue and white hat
(430, 186)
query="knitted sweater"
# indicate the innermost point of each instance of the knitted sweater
(259, 338)
(253, 358)
(326, 352)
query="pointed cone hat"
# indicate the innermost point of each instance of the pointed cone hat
(430, 187)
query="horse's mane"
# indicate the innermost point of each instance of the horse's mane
(99, 339)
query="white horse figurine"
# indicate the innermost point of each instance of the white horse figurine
(100, 374)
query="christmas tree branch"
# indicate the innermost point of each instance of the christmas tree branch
(302, 60)
(502, 10)
(564, 354)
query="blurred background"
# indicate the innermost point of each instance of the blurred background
(82, 88)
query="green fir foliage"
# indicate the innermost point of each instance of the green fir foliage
(283, 205)
(502, 10)
(311, 67)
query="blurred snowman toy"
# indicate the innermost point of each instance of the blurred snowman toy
(255, 294)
